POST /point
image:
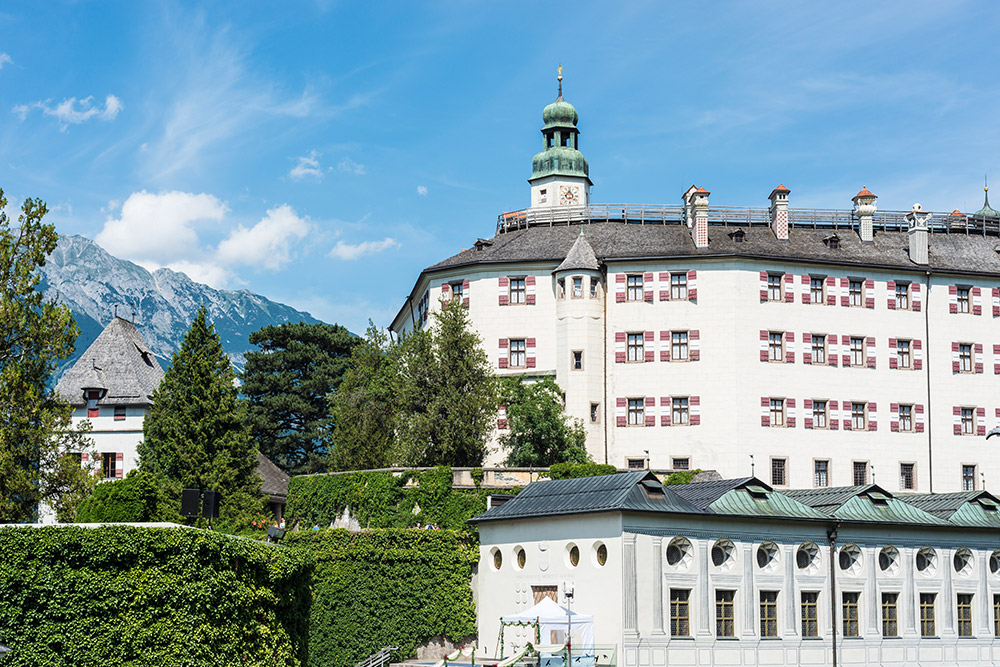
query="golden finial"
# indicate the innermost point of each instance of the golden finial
(559, 79)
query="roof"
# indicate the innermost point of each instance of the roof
(580, 257)
(275, 482)
(865, 192)
(965, 508)
(780, 188)
(746, 496)
(866, 503)
(118, 362)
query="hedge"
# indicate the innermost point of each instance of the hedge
(169, 597)
(382, 588)
(135, 498)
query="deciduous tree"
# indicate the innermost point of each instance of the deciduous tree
(539, 433)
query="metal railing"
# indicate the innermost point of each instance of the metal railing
(380, 659)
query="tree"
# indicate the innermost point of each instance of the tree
(196, 434)
(138, 497)
(287, 385)
(538, 431)
(35, 333)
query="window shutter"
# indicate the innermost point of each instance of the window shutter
(847, 417)
(807, 355)
(765, 411)
(918, 354)
(977, 301)
(664, 286)
(692, 285)
(790, 412)
(997, 417)
(952, 298)
(529, 290)
(119, 465)
(870, 351)
(502, 417)
(869, 294)
(649, 354)
(93, 412)
(650, 411)
(502, 356)
(894, 417)
(621, 411)
(621, 338)
(996, 359)
(620, 280)
(893, 360)
(664, 411)
(845, 298)
(980, 421)
(789, 288)
(763, 286)
(996, 302)
(503, 293)
(956, 366)
(445, 289)
(918, 419)
(831, 350)
(763, 345)
(978, 349)
(915, 299)
(465, 292)
(84, 457)
(694, 408)
(664, 346)
(807, 406)
(872, 416)
(647, 287)
(694, 345)
(831, 291)
(956, 420)
(529, 345)
(845, 344)
(890, 300)
(806, 296)
(834, 409)
(789, 347)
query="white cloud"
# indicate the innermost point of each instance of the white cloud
(422, 190)
(207, 272)
(352, 167)
(268, 243)
(349, 251)
(72, 111)
(308, 165)
(5, 59)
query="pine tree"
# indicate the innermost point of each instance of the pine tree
(196, 434)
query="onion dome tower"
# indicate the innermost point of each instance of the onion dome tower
(986, 211)
(559, 173)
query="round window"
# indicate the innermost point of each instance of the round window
(679, 552)
(722, 553)
(926, 560)
(497, 559)
(673, 554)
(521, 558)
(849, 558)
(995, 562)
(963, 561)
(602, 555)
(574, 555)
(807, 556)
(888, 559)
(767, 556)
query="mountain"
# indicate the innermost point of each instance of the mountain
(92, 282)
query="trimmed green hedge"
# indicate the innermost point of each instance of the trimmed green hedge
(135, 498)
(164, 597)
(573, 470)
(383, 588)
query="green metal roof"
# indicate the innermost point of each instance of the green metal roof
(975, 509)
(867, 503)
(987, 211)
(741, 502)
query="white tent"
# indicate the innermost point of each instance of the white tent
(552, 617)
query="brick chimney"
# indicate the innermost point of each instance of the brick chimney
(917, 221)
(779, 212)
(864, 208)
(698, 217)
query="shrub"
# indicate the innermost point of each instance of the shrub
(135, 498)
(571, 470)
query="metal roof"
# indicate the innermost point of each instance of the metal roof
(866, 503)
(976, 509)
(703, 494)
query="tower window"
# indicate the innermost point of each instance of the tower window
(577, 360)
(563, 139)
(595, 414)
(543, 195)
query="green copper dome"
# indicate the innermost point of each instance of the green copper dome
(559, 114)
(560, 155)
(987, 211)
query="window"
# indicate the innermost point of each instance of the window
(561, 288)
(964, 606)
(769, 613)
(678, 286)
(855, 292)
(857, 351)
(593, 288)
(636, 347)
(850, 613)
(968, 420)
(680, 464)
(680, 625)
(775, 346)
(517, 353)
(774, 287)
(725, 614)
(595, 413)
(903, 353)
(906, 476)
(927, 614)
(637, 412)
(636, 464)
(817, 292)
(860, 473)
(577, 287)
(818, 349)
(119, 413)
(821, 472)
(996, 615)
(963, 300)
(968, 478)
(779, 472)
(539, 593)
(517, 291)
(634, 292)
(777, 412)
(965, 357)
(577, 360)
(890, 618)
(679, 410)
(819, 415)
(902, 296)
(810, 614)
(858, 420)
(679, 345)
(905, 417)
(543, 194)
(109, 464)
(457, 291)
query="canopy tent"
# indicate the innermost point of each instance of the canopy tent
(553, 618)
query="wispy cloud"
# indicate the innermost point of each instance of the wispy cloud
(349, 251)
(352, 167)
(422, 190)
(5, 59)
(307, 166)
(72, 111)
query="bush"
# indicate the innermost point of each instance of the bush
(572, 470)
(135, 498)
(681, 477)
(164, 597)
(386, 588)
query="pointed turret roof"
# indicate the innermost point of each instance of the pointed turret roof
(119, 363)
(580, 257)
(987, 211)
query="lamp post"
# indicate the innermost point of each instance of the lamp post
(568, 592)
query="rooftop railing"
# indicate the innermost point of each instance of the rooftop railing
(811, 218)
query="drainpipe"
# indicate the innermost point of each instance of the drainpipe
(927, 369)
(832, 536)
(604, 342)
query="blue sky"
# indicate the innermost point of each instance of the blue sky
(323, 153)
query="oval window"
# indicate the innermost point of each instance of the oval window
(602, 555)
(497, 559)
(574, 555)
(521, 558)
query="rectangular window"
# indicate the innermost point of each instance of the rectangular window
(855, 290)
(636, 464)
(577, 360)
(857, 351)
(821, 472)
(776, 346)
(903, 353)
(109, 464)
(593, 288)
(517, 353)
(774, 287)
(818, 349)
(968, 478)
(457, 291)
(860, 473)
(996, 615)
(810, 614)
(636, 347)
(777, 412)
(890, 618)
(927, 614)
(906, 477)
(965, 357)
(968, 417)
(679, 410)
(577, 287)
(859, 422)
(680, 464)
(964, 606)
(905, 418)
(769, 613)
(678, 345)
(634, 291)
(637, 412)
(678, 286)
(963, 300)
(902, 297)
(680, 625)
(119, 413)
(819, 414)
(817, 292)
(517, 290)
(850, 614)
(561, 288)
(779, 472)
(725, 614)
(595, 413)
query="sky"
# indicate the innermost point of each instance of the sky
(323, 153)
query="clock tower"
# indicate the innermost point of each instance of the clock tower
(559, 173)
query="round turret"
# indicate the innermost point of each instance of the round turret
(560, 114)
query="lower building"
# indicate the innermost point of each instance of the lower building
(732, 572)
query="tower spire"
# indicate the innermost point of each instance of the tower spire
(559, 79)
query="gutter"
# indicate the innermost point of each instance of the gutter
(607, 408)
(927, 367)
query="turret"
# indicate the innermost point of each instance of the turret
(559, 173)
(864, 208)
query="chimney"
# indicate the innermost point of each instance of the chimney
(864, 208)
(699, 217)
(917, 221)
(687, 198)
(779, 212)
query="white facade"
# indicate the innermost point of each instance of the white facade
(116, 433)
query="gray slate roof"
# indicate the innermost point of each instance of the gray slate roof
(703, 494)
(275, 482)
(119, 362)
(580, 256)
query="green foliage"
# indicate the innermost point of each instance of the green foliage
(539, 433)
(34, 334)
(287, 385)
(572, 470)
(477, 475)
(163, 597)
(136, 498)
(196, 434)
(681, 477)
(386, 588)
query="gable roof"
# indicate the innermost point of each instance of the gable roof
(580, 256)
(865, 503)
(120, 363)
(964, 508)
(275, 482)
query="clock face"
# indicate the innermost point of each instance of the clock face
(569, 194)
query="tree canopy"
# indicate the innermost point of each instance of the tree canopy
(539, 433)
(287, 385)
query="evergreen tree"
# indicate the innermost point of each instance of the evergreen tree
(539, 432)
(196, 434)
(287, 385)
